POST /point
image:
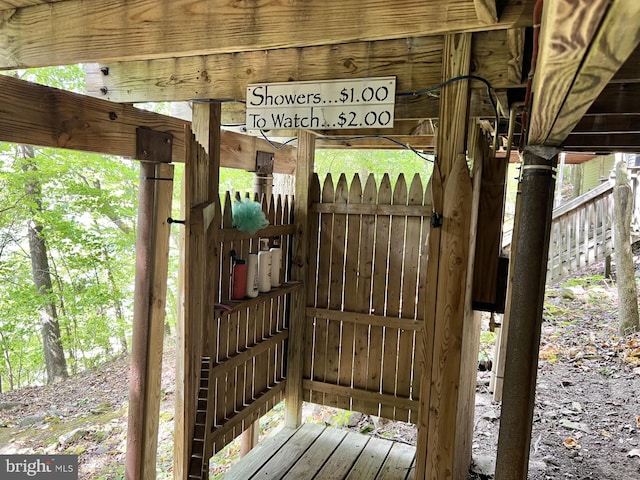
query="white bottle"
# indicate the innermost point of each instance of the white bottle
(252, 275)
(264, 266)
(276, 262)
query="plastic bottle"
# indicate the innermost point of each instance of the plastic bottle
(276, 262)
(239, 279)
(264, 266)
(252, 275)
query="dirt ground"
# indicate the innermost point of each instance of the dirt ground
(586, 420)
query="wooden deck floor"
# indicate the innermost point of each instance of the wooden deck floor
(322, 453)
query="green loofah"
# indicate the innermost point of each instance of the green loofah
(248, 216)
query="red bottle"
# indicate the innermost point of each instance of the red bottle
(239, 279)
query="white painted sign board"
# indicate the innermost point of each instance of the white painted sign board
(333, 104)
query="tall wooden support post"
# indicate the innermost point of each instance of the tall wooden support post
(527, 297)
(263, 186)
(197, 275)
(444, 342)
(299, 269)
(152, 260)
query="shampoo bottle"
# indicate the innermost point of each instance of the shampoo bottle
(264, 266)
(252, 275)
(239, 279)
(276, 262)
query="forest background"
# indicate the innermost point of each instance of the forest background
(67, 245)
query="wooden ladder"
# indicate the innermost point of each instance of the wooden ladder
(199, 465)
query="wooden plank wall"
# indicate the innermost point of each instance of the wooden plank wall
(247, 337)
(364, 292)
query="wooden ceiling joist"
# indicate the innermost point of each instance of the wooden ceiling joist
(486, 10)
(617, 99)
(55, 118)
(574, 69)
(415, 62)
(418, 142)
(74, 31)
(608, 124)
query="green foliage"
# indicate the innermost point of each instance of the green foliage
(87, 214)
(378, 162)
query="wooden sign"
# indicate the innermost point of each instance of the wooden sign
(332, 104)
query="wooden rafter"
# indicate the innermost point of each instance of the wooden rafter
(54, 118)
(104, 30)
(573, 68)
(515, 44)
(614, 42)
(415, 62)
(487, 11)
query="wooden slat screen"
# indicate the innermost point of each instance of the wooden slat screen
(247, 338)
(360, 352)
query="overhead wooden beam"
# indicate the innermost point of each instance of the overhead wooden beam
(486, 11)
(568, 27)
(10, 4)
(615, 41)
(37, 115)
(419, 142)
(415, 62)
(74, 31)
(617, 99)
(603, 142)
(629, 72)
(515, 46)
(608, 124)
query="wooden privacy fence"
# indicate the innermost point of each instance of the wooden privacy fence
(365, 295)
(243, 367)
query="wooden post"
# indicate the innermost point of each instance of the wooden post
(527, 297)
(152, 257)
(299, 268)
(446, 274)
(197, 280)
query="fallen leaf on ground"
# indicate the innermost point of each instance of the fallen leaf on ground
(571, 443)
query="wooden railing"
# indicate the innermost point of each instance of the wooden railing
(581, 232)
(582, 229)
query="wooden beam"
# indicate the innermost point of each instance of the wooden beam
(486, 11)
(415, 62)
(106, 30)
(628, 72)
(567, 30)
(299, 269)
(617, 98)
(419, 142)
(603, 142)
(515, 46)
(612, 45)
(152, 260)
(608, 124)
(49, 117)
(11, 4)
(37, 115)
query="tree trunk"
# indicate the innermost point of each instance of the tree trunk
(55, 362)
(627, 291)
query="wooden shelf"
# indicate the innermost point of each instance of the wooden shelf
(234, 306)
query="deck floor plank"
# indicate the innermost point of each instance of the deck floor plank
(314, 458)
(372, 458)
(259, 455)
(280, 463)
(343, 458)
(315, 452)
(398, 463)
